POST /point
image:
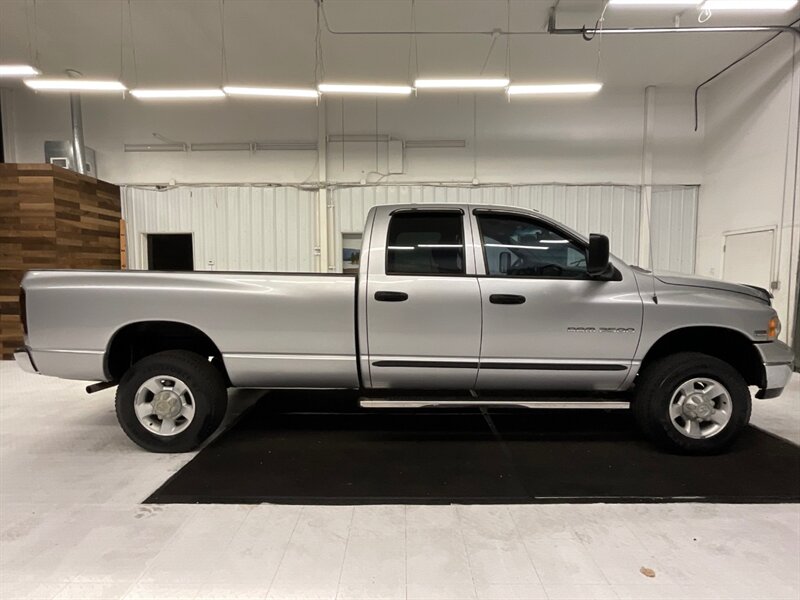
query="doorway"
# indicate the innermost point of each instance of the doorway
(170, 252)
(748, 257)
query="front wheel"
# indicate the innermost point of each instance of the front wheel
(692, 403)
(171, 401)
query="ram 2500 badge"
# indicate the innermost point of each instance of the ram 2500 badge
(448, 297)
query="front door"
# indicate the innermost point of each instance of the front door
(546, 323)
(423, 302)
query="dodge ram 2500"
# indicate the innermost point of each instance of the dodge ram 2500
(448, 297)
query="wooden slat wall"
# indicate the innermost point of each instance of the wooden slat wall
(51, 218)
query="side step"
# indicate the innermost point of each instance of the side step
(494, 403)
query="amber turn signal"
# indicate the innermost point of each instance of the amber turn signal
(774, 328)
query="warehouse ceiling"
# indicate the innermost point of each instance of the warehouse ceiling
(178, 43)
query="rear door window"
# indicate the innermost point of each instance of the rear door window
(425, 243)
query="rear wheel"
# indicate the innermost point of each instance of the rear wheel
(171, 401)
(692, 403)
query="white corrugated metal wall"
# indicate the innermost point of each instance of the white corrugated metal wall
(610, 209)
(235, 228)
(273, 228)
(674, 228)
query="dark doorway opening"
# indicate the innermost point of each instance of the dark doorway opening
(170, 252)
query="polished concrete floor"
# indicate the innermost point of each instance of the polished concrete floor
(72, 526)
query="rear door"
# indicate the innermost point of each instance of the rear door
(546, 323)
(423, 304)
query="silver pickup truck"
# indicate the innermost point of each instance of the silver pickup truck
(500, 305)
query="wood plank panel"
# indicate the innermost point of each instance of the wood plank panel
(51, 218)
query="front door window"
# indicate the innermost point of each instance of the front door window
(516, 246)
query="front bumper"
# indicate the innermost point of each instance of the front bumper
(24, 360)
(778, 359)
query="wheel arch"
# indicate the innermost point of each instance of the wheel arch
(726, 344)
(139, 339)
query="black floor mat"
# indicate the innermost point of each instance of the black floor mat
(321, 448)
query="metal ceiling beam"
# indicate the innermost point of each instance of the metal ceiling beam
(588, 33)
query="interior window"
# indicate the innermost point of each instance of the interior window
(515, 246)
(425, 242)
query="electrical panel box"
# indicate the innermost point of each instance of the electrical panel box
(59, 153)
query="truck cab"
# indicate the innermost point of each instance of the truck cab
(503, 298)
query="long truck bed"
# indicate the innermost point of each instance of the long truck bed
(272, 329)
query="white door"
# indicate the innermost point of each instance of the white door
(748, 258)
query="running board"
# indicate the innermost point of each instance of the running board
(509, 403)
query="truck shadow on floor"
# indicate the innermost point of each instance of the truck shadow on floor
(322, 448)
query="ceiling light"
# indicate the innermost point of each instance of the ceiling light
(555, 88)
(162, 94)
(74, 85)
(348, 88)
(460, 84)
(270, 92)
(749, 4)
(18, 71)
(654, 2)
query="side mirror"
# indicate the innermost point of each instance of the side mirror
(597, 261)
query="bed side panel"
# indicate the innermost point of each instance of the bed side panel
(274, 330)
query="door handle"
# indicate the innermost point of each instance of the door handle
(391, 296)
(506, 299)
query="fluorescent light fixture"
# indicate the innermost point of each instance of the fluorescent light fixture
(554, 241)
(268, 92)
(74, 85)
(163, 94)
(353, 88)
(654, 2)
(18, 71)
(749, 4)
(554, 88)
(460, 84)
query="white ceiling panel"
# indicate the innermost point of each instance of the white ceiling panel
(271, 42)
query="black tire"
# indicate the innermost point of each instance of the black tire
(207, 388)
(656, 385)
